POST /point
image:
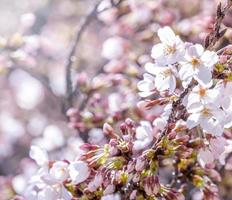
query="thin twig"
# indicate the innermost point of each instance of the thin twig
(175, 106)
(216, 34)
(70, 92)
(80, 30)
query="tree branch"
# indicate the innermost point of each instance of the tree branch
(71, 57)
(85, 22)
(216, 34)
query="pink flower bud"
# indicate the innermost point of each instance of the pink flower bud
(151, 185)
(107, 129)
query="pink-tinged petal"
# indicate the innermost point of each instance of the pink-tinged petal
(203, 75)
(166, 35)
(193, 120)
(205, 157)
(217, 146)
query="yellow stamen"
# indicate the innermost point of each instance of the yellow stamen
(202, 92)
(170, 50)
(195, 62)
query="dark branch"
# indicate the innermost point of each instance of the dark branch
(216, 34)
(71, 57)
(81, 28)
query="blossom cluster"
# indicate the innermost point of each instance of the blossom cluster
(129, 165)
(177, 65)
(166, 137)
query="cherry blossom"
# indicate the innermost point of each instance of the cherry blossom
(208, 116)
(59, 171)
(171, 50)
(147, 85)
(78, 171)
(198, 64)
(203, 94)
(161, 122)
(144, 136)
(39, 155)
(165, 77)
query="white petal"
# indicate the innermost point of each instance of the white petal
(148, 84)
(193, 120)
(212, 126)
(39, 155)
(153, 69)
(157, 51)
(172, 84)
(209, 58)
(162, 83)
(186, 72)
(195, 107)
(166, 35)
(145, 94)
(78, 171)
(160, 123)
(195, 50)
(144, 86)
(203, 76)
(192, 99)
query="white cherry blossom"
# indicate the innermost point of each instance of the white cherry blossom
(59, 171)
(165, 77)
(203, 94)
(224, 88)
(78, 171)
(208, 116)
(147, 85)
(39, 155)
(171, 48)
(198, 64)
(144, 136)
(161, 122)
(205, 157)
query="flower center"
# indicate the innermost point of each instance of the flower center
(202, 92)
(167, 72)
(170, 50)
(206, 112)
(195, 62)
